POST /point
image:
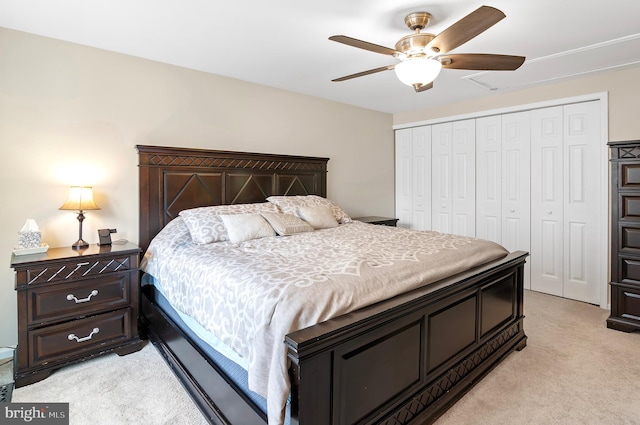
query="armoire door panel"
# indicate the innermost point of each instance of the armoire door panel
(629, 207)
(629, 270)
(629, 237)
(629, 176)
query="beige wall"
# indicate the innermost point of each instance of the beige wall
(622, 86)
(72, 115)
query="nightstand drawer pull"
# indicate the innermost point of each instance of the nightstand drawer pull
(71, 337)
(72, 297)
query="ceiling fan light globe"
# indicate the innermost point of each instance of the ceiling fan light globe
(418, 71)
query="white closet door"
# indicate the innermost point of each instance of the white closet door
(441, 201)
(582, 202)
(421, 202)
(404, 176)
(546, 200)
(488, 178)
(463, 167)
(516, 193)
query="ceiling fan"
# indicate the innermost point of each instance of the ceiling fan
(423, 55)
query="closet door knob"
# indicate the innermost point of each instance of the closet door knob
(549, 212)
(512, 210)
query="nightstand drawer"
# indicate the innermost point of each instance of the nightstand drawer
(82, 267)
(81, 298)
(74, 338)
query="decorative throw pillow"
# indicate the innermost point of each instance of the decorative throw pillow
(290, 204)
(206, 226)
(319, 217)
(286, 224)
(244, 227)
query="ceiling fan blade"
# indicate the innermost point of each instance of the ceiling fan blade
(354, 42)
(466, 28)
(424, 87)
(481, 61)
(363, 73)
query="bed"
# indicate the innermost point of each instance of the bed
(402, 360)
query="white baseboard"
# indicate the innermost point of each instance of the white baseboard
(6, 353)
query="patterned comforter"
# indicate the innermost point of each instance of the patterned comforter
(251, 294)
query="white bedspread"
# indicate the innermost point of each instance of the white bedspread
(252, 294)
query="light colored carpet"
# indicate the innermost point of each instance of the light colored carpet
(111, 390)
(573, 371)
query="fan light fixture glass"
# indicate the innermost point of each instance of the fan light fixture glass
(418, 71)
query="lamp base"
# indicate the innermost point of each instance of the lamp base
(80, 244)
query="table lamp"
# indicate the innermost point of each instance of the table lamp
(80, 199)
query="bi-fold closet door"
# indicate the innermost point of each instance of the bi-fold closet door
(413, 177)
(453, 149)
(566, 195)
(503, 148)
(435, 177)
(529, 180)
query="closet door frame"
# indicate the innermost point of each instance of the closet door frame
(604, 235)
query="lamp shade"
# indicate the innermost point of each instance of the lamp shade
(418, 71)
(80, 199)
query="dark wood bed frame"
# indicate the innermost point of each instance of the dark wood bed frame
(405, 360)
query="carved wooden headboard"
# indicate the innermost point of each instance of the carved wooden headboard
(175, 179)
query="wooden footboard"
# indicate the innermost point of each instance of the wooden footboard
(402, 361)
(408, 359)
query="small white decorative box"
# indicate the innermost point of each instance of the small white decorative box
(30, 235)
(29, 239)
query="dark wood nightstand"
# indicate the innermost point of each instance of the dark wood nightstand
(385, 221)
(74, 305)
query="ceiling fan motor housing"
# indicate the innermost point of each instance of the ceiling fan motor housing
(417, 20)
(414, 44)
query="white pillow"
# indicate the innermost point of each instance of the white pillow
(205, 225)
(286, 224)
(244, 227)
(290, 204)
(319, 217)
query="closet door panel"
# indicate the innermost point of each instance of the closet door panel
(488, 178)
(516, 188)
(581, 203)
(441, 201)
(547, 200)
(421, 201)
(463, 199)
(404, 176)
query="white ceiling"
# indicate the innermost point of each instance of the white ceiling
(284, 43)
